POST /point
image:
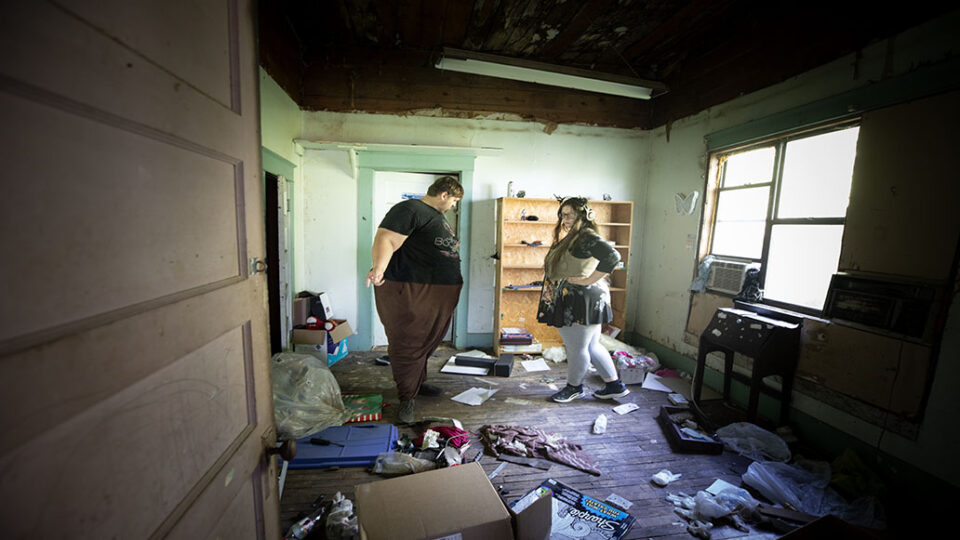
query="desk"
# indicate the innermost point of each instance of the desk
(772, 343)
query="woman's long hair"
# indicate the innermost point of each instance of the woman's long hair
(585, 220)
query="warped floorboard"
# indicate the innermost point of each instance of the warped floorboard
(629, 453)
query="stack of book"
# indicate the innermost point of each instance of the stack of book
(518, 340)
(515, 336)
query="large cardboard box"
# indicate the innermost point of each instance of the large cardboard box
(454, 502)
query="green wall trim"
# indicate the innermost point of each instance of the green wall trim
(923, 82)
(368, 162)
(276, 163)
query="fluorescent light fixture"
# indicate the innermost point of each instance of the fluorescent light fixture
(548, 74)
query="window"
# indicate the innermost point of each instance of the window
(782, 204)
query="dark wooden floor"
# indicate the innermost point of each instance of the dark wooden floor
(629, 453)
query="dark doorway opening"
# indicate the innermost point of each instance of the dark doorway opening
(272, 216)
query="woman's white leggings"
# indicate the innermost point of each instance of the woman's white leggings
(583, 345)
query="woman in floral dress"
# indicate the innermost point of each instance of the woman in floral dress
(576, 298)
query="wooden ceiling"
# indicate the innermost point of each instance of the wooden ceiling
(377, 56)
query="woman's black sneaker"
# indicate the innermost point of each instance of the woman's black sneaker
(613, 389)
(568, 394)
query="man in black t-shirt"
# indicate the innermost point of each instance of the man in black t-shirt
(416, 271)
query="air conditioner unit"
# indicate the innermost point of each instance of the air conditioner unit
(727, 276)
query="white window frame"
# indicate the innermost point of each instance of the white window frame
(715, 182)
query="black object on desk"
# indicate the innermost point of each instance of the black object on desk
(771, 339)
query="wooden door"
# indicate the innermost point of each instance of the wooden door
(133, 354)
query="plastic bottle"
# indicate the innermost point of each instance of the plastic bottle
(300, 529)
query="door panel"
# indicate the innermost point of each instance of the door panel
(133, 352)
(127, 210)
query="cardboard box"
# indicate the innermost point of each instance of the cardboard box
(327, 346)
(320, 307)
(319, 337)
(454, 502)
(323, 352)
(301, 310)
(577, 515)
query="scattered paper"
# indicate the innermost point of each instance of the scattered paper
(474, 396)
(487, 381)
(719, 485)
(476, 354)
(553, 387)
(653, 382)
(625, 408)
(452, 367)
(619, 501)
(516, 401)
(535, 365)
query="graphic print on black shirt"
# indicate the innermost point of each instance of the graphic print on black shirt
(431, 252)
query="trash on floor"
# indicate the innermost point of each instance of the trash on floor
(683, 429)
(306, 396)
(366, 408)
(535, 365)
(664, 477)
(576, 515)
(529, 462)
(804, 486)
(733, 505)
(613, 498)
(516, 401)
(474, 396)
(633, 369)
(555, 354)
(460, 367)
(600, 425)
(625, 408)
(397, 463)
(528, 441)
(754, 442)
(341, 521)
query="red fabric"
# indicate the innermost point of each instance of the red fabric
(455, 435)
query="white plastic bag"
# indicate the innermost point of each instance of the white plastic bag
(664, 477)
(396, 463)
(555, 354)
(341, 521)
(306, 396)
(754, 442)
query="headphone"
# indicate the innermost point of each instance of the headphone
(580, 204)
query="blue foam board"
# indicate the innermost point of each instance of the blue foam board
(362, 443)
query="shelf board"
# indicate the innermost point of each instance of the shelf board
(617, 289)
(535, 289)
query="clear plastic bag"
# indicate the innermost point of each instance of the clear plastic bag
(804, 486)
(395, 463)
(754, 442)
(306, 396)
(341, 521)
